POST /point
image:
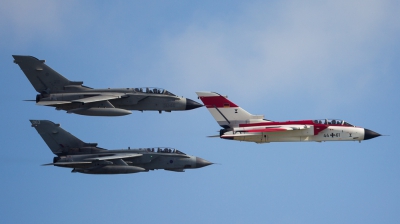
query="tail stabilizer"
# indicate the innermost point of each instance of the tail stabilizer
(60, 141)
(225, 112)
(43, 78)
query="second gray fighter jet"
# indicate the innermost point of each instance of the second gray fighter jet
(57, 91)
(89, 159)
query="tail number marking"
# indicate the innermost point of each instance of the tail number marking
(333, 135)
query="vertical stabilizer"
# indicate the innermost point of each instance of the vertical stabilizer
(42, 77)
(225, 112)
(60, 141)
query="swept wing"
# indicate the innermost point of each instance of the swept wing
(90, 160)
(91, 99)
(116, 156)
(50, 103)
(98, 98)
(272, 129)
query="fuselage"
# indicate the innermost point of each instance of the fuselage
(141, 99)
(57, 91)
(238, 124)
(299, 131)
(150, 159)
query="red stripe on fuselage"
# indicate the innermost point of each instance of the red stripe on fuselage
(317, 127)
(267, 130)
(303, 122)
(217, 101)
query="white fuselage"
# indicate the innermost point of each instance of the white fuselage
(331, 133)
(240, 125)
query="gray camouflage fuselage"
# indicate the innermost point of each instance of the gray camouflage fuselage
(88, 158)
(130, 100)
(148, 161)
(57, 91)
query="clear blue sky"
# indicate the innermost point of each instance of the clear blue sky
(287, 60)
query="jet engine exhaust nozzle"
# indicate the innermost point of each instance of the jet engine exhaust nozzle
(38, 98)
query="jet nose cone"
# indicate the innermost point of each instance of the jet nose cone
(368, 134)
(191, 104)
(202, 162)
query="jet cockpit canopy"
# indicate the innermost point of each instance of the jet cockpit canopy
(163, 150)
(337, 122)
(153, 90)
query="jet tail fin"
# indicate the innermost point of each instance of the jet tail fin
(42, 77)
(225, 112)
(60, 141)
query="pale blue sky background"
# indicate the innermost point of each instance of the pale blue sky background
(287, 60)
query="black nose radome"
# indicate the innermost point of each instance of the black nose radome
(191, 104)
(368, 134)
(202, 162)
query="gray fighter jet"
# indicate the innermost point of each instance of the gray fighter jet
(88, 158)
(57, 91)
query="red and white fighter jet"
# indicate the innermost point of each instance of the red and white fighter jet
(238, 124)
